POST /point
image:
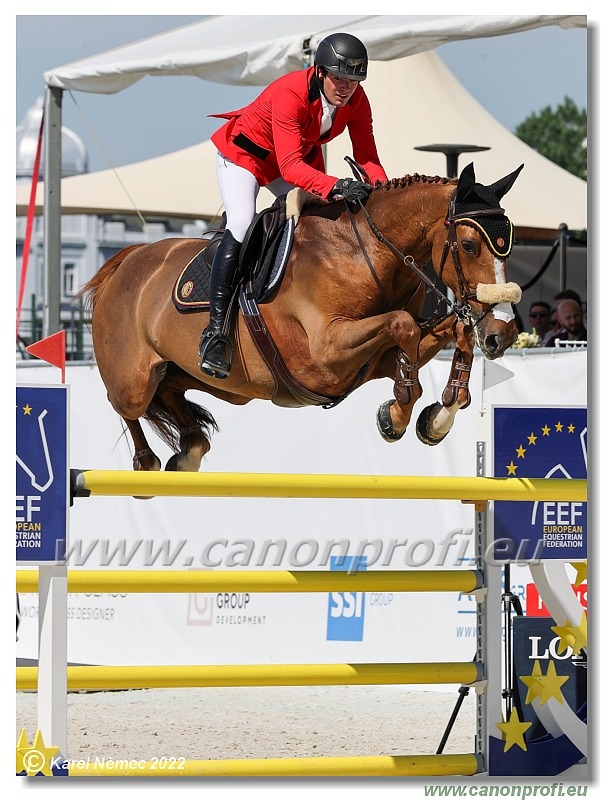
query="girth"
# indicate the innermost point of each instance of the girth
(287, 392)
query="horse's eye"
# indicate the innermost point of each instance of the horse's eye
(469, 246)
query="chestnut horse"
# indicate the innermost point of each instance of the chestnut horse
(346, 312)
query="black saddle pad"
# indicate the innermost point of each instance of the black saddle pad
(192, 288)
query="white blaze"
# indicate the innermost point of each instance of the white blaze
(502, 311)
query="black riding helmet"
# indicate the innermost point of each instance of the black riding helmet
(344, 55)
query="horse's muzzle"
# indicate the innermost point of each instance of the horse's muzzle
(494, 345)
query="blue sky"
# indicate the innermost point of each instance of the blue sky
(512, 76)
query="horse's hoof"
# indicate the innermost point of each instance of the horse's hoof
(421, 427)
(172, 464)
(384, 423)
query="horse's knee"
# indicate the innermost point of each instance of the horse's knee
(404, 330)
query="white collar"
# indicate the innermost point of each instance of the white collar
(328, 108)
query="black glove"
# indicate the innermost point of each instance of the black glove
(351, 190)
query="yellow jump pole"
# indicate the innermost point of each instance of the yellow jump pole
(174, 581)
(239, 484)
(145, 677)
(348, 766)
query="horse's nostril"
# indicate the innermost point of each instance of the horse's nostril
(492, 343)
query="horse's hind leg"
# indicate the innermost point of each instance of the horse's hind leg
(144, 458)
(190, 424)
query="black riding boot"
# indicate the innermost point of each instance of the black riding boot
(215, 347)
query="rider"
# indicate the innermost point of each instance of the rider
(276, 142)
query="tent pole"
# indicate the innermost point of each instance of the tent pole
(52, 211)
(563, 235)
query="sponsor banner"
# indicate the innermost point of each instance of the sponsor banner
(540, 442)
(42, 496)
(346, 610)
(533, 641)
(535, 607)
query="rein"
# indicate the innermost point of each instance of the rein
(461, 308)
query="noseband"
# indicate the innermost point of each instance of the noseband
(496, 293)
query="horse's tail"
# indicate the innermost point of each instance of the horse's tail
(161, 418)
(92, 290)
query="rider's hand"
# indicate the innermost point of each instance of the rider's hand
(351, 190)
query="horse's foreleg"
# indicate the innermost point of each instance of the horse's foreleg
(392, 420)
(434, 339)
(435, 421)
(345, 346)
(393, 416)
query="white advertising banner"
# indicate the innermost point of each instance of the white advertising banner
(188, 533)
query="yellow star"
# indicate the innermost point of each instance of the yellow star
(552, 684)
(34, 759)
(545, 430)
(571, 428)
(513, 731)
(559, 427)
(520, 451)
(532, 439)
(27, 410)
(533, 682)
(581, 567)
(22, 744)
(511, 468)
(573, 636)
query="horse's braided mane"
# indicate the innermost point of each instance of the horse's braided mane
(408, 180)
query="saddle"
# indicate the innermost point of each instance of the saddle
(262, 261)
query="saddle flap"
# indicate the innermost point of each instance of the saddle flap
(262, 233)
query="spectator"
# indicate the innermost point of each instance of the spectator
(570, 316)
(539, 318)
(565, 294)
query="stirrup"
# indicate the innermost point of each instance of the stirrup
(209, 340)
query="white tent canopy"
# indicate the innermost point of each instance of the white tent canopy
(256, 49)
(432, 107)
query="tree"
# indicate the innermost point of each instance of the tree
(559, 135)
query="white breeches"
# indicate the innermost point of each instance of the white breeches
(239, 190)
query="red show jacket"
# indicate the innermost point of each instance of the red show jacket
(278, 134)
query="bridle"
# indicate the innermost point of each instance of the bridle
(461, 308)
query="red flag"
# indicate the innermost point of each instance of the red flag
(51, 349)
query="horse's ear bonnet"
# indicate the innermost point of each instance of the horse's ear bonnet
(472, 197)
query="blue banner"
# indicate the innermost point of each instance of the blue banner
(42, 497)
(537, 442)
